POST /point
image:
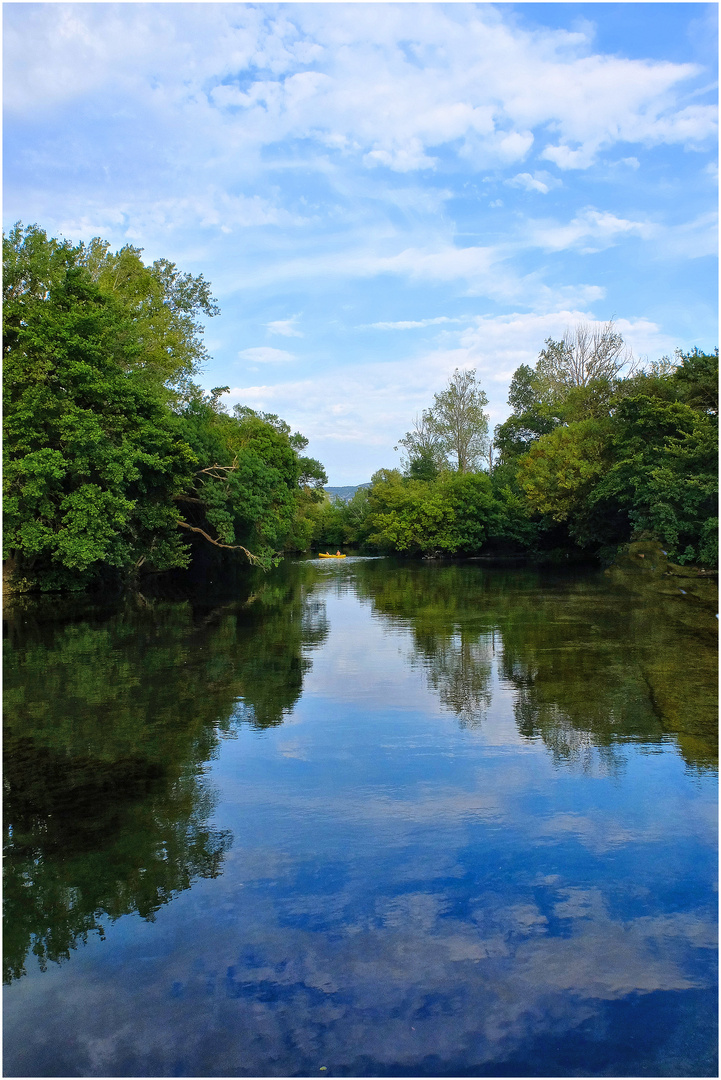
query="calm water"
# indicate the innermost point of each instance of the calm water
(364, 818)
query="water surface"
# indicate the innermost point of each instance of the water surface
(364, 819)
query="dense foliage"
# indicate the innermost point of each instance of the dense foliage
(115, 462)
(113, 458)
(595, 453)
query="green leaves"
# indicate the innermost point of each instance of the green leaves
(253, 488)
(446, 515)
(665, 474)
(454, 430)
(92, 462)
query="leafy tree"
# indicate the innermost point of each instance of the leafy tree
(92, 459)
(426, 449)
(460, 421)
(453, 433)
(253, 489)
(573, 379)
(665, 475)
(533, 415)
(166, 306)
(446, 515)
(106, 435)
(695, 380)
(562, 468)
(336, 522)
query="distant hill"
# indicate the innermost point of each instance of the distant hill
(345, 494)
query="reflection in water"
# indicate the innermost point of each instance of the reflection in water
(108, 728)
(459, 668)
(414, 820)
(592, 664)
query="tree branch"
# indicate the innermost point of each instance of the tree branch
(229, 547)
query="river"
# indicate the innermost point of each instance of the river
(363, 818)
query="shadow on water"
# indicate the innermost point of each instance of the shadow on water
(111, 714)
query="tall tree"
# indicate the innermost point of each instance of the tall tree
(586, 353)
(461, 421)
(92, 458)
(425, 448)
(113, 457)
(453, 433)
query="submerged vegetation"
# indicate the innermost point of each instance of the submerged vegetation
(117, 463)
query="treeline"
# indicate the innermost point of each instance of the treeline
(596, 452)
(115, 461)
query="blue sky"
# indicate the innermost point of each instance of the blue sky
(380, 193)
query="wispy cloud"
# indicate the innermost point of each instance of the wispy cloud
(371, 165)
(285, 327)
(541, 182)
(410, 324)
(264, 354)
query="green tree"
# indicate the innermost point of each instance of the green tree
(92, 458)
(665, 475)
(574, 378)
(107, 438)
(254, 489)
(445, 516)
(453, 433)
(461, 422)
(561, 469)
(426, 450)
(166, 306)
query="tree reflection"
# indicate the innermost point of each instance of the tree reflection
(109, 723)
(452, 627)
(459, 669)
(594, 661)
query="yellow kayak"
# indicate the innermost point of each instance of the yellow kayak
(325, 555)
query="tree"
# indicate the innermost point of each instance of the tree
(112, 455)
(665, 475)
(446, 515)
(460, 420)
(562, 468)
(574, 379)
(585, 354)
(695, 380)
(165, 304)
(253, 489)
(92, 459)
(453, 432)
(426, 452)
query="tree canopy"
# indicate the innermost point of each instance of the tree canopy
(452, 433)
(597, 452)
(113, 457)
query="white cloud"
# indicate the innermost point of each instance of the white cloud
(690, 239)
(594, 229)
(566, 158)
(263, 354)
(364, 93)
(410, 325)
(540, 181)
(300, 152)
(285, 327)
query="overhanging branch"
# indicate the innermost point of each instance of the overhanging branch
(229, 547)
